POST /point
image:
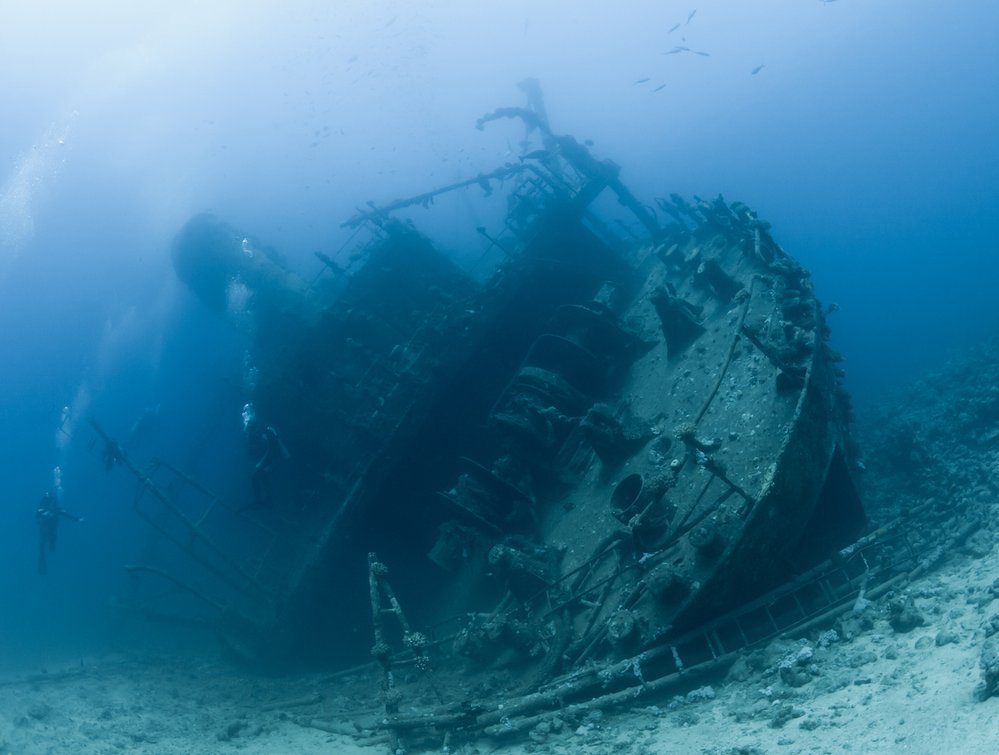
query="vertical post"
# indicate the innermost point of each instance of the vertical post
(380, 650)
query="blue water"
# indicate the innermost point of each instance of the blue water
(867, 138)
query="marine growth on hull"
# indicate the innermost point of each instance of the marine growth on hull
(603, 443)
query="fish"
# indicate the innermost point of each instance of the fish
(677, 49)
(673, 28)
(758, 68)
(641, 81)
(692, 14)
(661, 86)
(702, 54)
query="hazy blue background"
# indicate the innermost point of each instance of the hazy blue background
(868, 140)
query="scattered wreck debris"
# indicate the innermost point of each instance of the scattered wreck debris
(619, 455)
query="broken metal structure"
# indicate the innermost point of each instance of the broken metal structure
(629, 425)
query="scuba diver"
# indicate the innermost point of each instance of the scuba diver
(266, 451)
(48, 514)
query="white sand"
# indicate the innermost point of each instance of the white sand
(881, 692)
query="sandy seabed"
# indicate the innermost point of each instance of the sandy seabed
(883, 691)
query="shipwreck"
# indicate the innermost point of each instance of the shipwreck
(593, 453)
